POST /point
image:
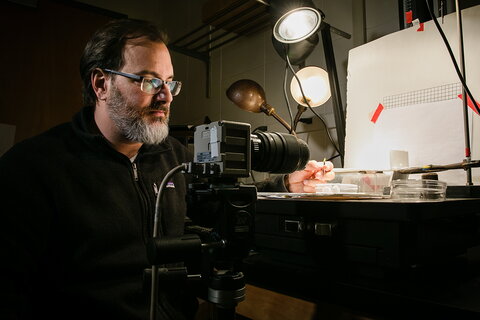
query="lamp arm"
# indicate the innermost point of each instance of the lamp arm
(270, 111)
(300, 110)
(332, 28)
(340, 32)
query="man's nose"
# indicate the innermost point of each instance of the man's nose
(164, 94)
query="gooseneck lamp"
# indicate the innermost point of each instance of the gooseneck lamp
(310, 87)
(250, 96)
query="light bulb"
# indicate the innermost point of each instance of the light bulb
(297, 25)
(315, 85)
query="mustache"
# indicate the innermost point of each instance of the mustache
(157, 107)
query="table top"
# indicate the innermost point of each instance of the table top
(366, 208)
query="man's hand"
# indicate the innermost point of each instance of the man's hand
(314, 173)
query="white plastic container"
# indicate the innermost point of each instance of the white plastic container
(368, 181)
(336, 188)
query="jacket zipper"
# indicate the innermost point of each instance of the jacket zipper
(144, 202)
(135, 171)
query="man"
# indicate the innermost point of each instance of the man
(80, 197)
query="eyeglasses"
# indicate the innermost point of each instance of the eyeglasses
(151, 85)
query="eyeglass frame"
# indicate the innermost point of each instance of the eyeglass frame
(176, 84)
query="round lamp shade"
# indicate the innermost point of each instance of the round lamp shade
(297, 25)
(315, 85)
(247, 95)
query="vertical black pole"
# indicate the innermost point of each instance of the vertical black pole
(338, 111)
(464, 93)
(207, 84)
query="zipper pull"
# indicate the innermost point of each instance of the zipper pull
(135, 171)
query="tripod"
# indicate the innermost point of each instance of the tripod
(226, 290)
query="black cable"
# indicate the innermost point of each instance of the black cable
(311, 109)
(285, 95)
(253, 177)
(457, 69)
(158, 214)
(333, 157)
(156, 225)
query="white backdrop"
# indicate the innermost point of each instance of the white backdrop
(411, 65)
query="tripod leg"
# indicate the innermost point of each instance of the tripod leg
(224, 313)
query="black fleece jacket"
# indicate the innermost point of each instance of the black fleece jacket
(74, 221)
(75, 218)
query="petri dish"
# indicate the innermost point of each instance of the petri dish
(418, 190)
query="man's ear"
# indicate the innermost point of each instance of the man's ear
(99, 84)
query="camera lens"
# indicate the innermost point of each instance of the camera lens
(277, 152)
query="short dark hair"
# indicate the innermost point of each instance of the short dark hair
(105, 49)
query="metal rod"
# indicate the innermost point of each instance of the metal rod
(270, 111)
(221, 25)
(211, 40)
(338, 111)
(194, 54)
(340, 32)
(207, 74)
(245, 31)
(234, 27)
(436, 168)
(464, 93)
(223, 43)
(219, 14)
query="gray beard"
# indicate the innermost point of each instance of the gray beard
(131, 124)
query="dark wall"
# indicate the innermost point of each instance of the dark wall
(41, 46)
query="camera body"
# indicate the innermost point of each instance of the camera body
(223, 152)
(228, 149)
(223, 148)
(220, 209)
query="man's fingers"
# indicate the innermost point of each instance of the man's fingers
(309, 189)
(325, 176)
(312, 182)
(328, 166)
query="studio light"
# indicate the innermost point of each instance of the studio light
(297, 25)
(315, 86)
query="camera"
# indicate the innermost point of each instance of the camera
(227, 149)
(219, 231)
(223, 152)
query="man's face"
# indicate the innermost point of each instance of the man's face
(139, 116)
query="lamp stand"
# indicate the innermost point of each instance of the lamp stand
(300, 110)
(338, 111)
(464, 93)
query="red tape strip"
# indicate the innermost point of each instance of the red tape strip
(470, 103)
(377, 112)
(408, 16)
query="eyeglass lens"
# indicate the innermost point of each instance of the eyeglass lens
(154, 85)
